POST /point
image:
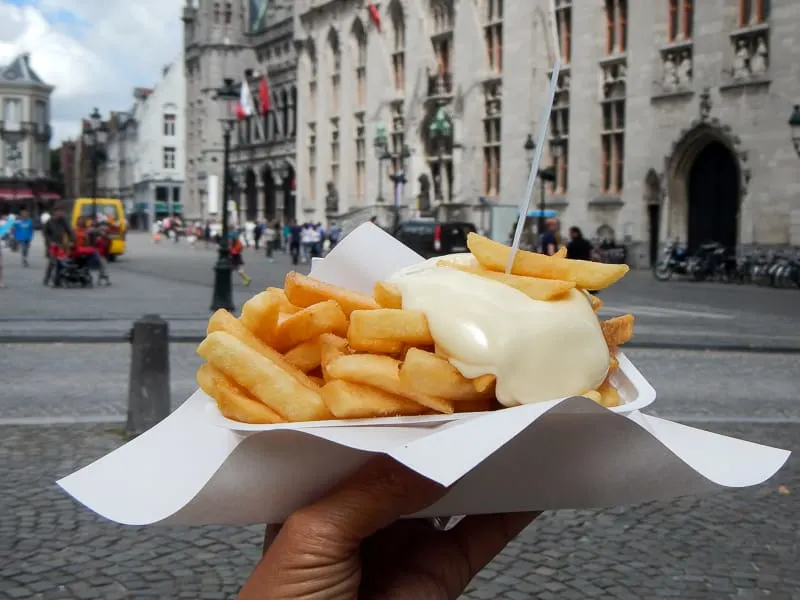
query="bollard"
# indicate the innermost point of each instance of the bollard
(148, 386)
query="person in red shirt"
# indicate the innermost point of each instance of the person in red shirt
(237, 260)
(87, 250)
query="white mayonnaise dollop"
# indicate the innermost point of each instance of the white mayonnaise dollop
(537, 350)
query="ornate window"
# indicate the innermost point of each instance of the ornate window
(228, 13)
(493, 34)
(681, 20)
(613, 143)
(336, 70)
(492, 140)
(398, 49)
(361, 158)
(753, 12)
(335, 153)
(217, 15)
(398, 136)
(312, 84)
(312, 162)
(564, 28)
(559, 135)
(443, 15)
(360, 46)
(616, 26)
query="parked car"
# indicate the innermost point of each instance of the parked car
(432, 238)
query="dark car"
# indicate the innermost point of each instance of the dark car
(431, 238)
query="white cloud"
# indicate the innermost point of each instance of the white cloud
(94, 52)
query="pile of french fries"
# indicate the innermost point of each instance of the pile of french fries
(315, 351)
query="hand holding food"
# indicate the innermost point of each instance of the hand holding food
(450, 335)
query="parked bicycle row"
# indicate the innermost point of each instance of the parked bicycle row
(714, 262)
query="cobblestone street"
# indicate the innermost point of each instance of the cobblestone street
(62, 405)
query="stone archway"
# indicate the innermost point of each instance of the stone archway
(270, 204)
(707, 178)
(251, 195)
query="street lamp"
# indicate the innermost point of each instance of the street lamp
(381, 145)
(399, 180)
(547, 175)
(95, 137)
(439, 132)
(222, 296)
(794, 124)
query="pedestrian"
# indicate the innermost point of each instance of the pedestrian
(270, 239)
(306, 241)
(334, 235)
(550, 237)
(207, 234)
(357, 542)
(237, 260)
(86, 250)
(316, 236)
(258, 232)
(5, 228)
(23, 235)
(59, 239)
(287, 231)
(295, 240)
(578, 248)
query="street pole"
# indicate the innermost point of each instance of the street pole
(93, 167)
(541, 204)
(223, 270)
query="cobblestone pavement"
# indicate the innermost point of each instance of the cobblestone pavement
(39, 381)
(175, 282)
(736, 544)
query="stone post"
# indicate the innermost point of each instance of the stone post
(148, 387)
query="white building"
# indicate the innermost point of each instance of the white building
(670, 119)
(146, 148)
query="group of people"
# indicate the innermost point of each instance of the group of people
(551, 241)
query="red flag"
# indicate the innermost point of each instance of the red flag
(263, 94)
(240, 114)
(373, 12)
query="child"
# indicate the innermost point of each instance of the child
(236, 258)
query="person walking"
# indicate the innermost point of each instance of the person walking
(5, 228)
(270, 239)
(578, 247)
(550, 238)
(294, 240)
(334, 235)
(23, 234)
(237, 260)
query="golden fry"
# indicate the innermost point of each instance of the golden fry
(260, 315)
(614, 365)
(618, 330)
(587, 275)
(262, 378)
(306, 291)
(318, 380)
(597, 304)
(484, 384)
(222, 320)
(533, 287)
(306, 356)
(370, 346)
(382, 372)
(328, 353)
(405, 326)
(286, 306)
(609, 396)
(425, 373)
(388, 295)
(347, 400)
(233, 401)
(594, 395)
(561, 252)
(311, 322)
(479, 405)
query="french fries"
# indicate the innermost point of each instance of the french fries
(586, 275)
(315, 351)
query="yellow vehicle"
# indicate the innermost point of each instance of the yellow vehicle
(110, 211)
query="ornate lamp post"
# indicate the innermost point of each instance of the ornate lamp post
(222, 297)
(381, 145)
(439, 132)
(95, 137)
(794, 124)
(399, 180)
(545, 176)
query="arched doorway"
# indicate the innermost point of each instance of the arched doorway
(289, 193)
(251, 195)
(713, 197)
(269, 193)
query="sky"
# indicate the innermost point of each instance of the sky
(93, 51)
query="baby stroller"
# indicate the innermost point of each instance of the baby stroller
(71, 270)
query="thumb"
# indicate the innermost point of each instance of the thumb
(378, 494)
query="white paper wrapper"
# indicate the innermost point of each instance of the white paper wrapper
(197, 467)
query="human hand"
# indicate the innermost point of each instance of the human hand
(351, 544)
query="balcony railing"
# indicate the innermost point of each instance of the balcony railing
(440, 86)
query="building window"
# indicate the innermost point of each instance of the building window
(312, 87)
(361, 159)
(564, 25)
(216, 13)
(228, 13)
(681, 20)
(335, 153)
(559, 135)
(41, 112)
(361, 67)
(12, 111)
(491, 141)
(336, 73)
(613, 144)
(312, 162)
(169, 157)
(493, 35)
(398, 136)
(753, 12)
(169, 125)
(443, 23)
(616, 26)
(399, 52)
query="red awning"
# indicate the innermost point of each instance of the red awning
(26, 194)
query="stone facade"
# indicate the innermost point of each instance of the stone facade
(240, 40)
(635, 113)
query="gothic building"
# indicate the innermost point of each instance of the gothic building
(670, 116)
(241, 40)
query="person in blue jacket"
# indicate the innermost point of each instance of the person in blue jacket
(23, 234)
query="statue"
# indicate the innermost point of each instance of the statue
(424, 193)
(758, 64)
(685, 70)
(670, 73)
(741, 62)
(332, 199)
